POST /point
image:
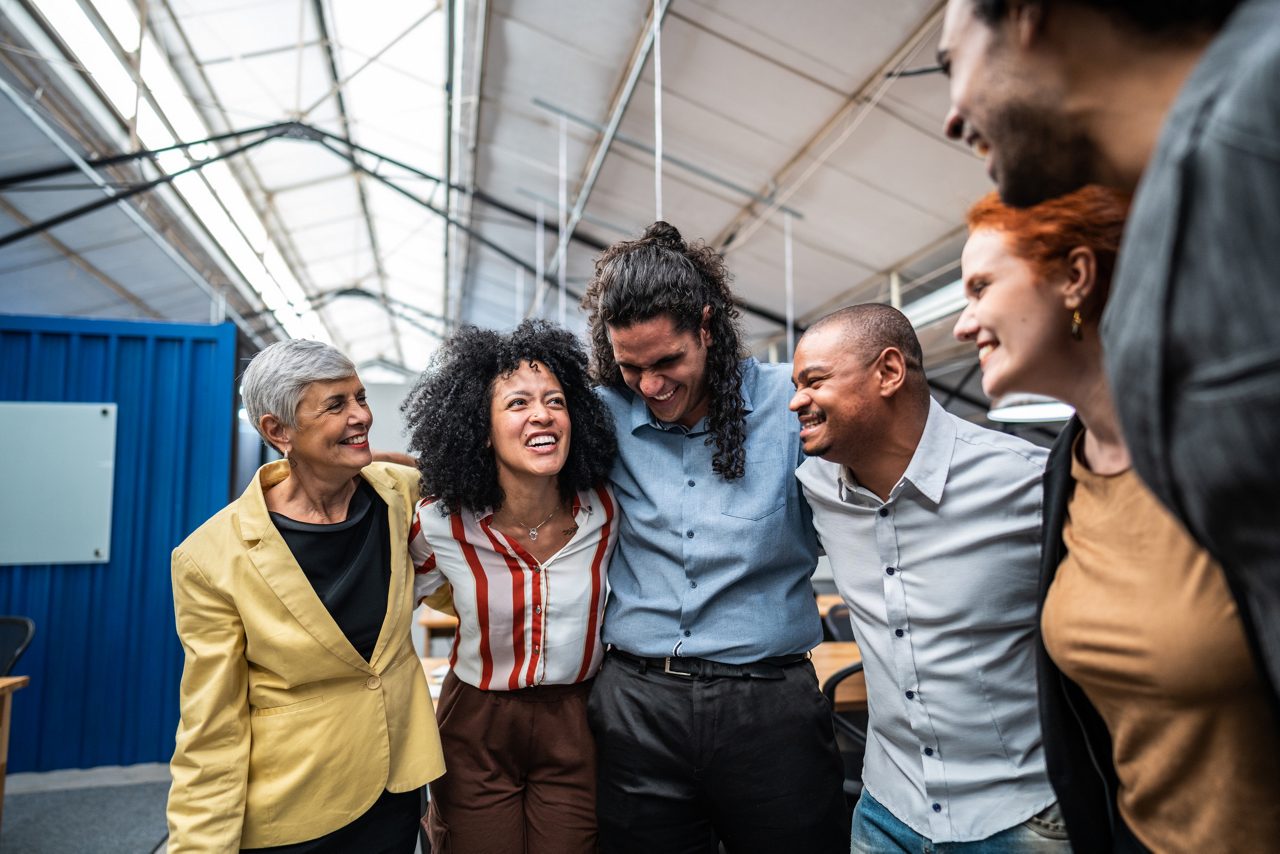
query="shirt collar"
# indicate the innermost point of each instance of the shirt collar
(640, 415)
(929, 465)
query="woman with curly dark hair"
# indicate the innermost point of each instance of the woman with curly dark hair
(518, 528)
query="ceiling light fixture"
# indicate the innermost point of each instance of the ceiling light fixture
(1029, 409)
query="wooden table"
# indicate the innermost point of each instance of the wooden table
(8, 685)
(825, 601)
(828, 658)
(436, 622)
(429, 665)
(833, 656)
(436, 626)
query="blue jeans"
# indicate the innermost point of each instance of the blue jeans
(878, 831)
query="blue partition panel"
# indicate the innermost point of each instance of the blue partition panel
(105, 662)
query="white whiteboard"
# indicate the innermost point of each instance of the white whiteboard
(57, 480)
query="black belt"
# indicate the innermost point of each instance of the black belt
(765, 668)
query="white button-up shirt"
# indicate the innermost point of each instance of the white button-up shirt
(941, 582)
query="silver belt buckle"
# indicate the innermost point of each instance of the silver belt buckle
(666, 668)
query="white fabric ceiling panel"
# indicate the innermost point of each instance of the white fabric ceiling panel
(308, 205)
(836, 43)
(625, 196)
(271, 88)
(219, 28)
(734, 148)
(877, 228)
(920, 170)
(737, 84)
(760, 271)
(283, 164)
(593, 31)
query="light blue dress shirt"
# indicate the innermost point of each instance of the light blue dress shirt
(941, 584)
(707, 567)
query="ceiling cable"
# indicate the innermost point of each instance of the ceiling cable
(657, 110)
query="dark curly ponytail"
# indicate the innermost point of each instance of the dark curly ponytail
(638, 280)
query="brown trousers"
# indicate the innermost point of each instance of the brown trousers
(521, 771)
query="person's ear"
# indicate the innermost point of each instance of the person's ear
(1082, 277)
(891, 371)
(1028, 22)
(275, 431)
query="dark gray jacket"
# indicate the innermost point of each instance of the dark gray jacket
(1192, 331)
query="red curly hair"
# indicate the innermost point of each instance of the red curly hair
(1044, 234)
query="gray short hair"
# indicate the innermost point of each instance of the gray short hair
(277, 378)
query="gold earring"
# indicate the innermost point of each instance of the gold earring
(1076, 323)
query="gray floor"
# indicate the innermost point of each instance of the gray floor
(102, 810)
(110, 810)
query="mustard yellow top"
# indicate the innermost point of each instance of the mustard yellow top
(1140, 617)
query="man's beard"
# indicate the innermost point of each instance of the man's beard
(1039, 155)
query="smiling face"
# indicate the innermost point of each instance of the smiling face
(1017, 317)
(529, 423)
(333, 428)
(1007, 104)
(666, 367)
(838, 398)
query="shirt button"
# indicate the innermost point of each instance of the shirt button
(691, 483)
(687, 632)
(373, 683)
(890, 571)
(693, 584)
(898, 632)
(928, 751)
(689, 534)
(937, 807)
(537, 609)
(537, 568)
(536, 647)
(911, 695)
(884, 511)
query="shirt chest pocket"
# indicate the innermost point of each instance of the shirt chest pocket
(763, 489)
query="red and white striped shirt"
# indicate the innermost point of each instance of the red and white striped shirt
(521, 623)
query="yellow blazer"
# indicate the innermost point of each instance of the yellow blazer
(286, 732)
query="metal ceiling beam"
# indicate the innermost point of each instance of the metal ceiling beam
(103, 162)
(687, 166)
(450, 26)
(171, 252)
(781, 185)
(107, 201)
(344, 118)
(479, 13)
(72, 256)
(621, 100)
(244, 171)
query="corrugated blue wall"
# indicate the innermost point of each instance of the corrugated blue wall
(106, 661)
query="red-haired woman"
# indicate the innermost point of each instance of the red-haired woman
(1159, 724)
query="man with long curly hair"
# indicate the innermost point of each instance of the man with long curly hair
(707, 715)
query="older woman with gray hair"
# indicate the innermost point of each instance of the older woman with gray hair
(306, 725)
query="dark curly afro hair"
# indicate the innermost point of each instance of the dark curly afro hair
(638, 280)
(448, 413)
